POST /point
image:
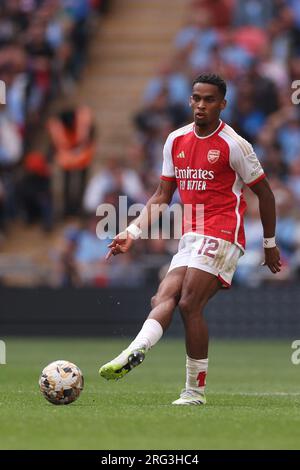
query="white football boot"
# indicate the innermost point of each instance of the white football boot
(190, 397)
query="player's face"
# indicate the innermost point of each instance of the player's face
(207, 103)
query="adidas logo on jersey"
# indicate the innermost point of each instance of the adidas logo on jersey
(181, 155)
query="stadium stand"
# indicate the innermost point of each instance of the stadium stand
(253, 44)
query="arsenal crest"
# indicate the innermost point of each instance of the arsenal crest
(213, 156)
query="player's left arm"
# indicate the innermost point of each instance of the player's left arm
(267, 211)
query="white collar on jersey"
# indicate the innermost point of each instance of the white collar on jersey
(209, 135)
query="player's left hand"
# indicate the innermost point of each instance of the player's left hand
(272, 259)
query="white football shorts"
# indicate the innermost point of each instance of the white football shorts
(210, 254)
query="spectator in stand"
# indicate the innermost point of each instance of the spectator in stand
(114, 178)
(293, 179)
(82, 257)
(293, 7)
(287, 224)
(247, 272)
(233, 54)
(289, 138)
(198, 40)
(41, 65)
(11, 146)
(10, 141)
(35, 196)
(273, 68)
(284, 126)
(13, 72)
(171, 79)
(72, 135)
(221, 11)
(249, 118)
(264, 89)
(158, 112)
(78, 11)
(254, 12)
(67, 272)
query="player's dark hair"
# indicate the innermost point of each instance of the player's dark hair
(212, 79)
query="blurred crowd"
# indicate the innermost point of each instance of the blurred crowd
(253, 44)
(43, 50)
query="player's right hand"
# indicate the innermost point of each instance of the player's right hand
(120, 244)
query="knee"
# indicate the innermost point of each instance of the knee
(185, 306)
(154, 301)
(189, 308)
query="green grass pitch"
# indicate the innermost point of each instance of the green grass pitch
(253, 398)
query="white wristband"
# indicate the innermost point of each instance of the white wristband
(134, 231)
(269, 242)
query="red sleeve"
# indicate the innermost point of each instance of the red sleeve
(261, 177)
(168, 178)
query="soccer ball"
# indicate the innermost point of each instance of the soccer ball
(61, 382)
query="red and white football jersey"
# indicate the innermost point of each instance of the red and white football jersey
(211, 171)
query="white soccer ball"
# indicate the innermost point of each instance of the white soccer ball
(61, 382)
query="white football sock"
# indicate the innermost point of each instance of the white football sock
(196, 370)
(149, 335)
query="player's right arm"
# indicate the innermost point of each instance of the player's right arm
(149, 215)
